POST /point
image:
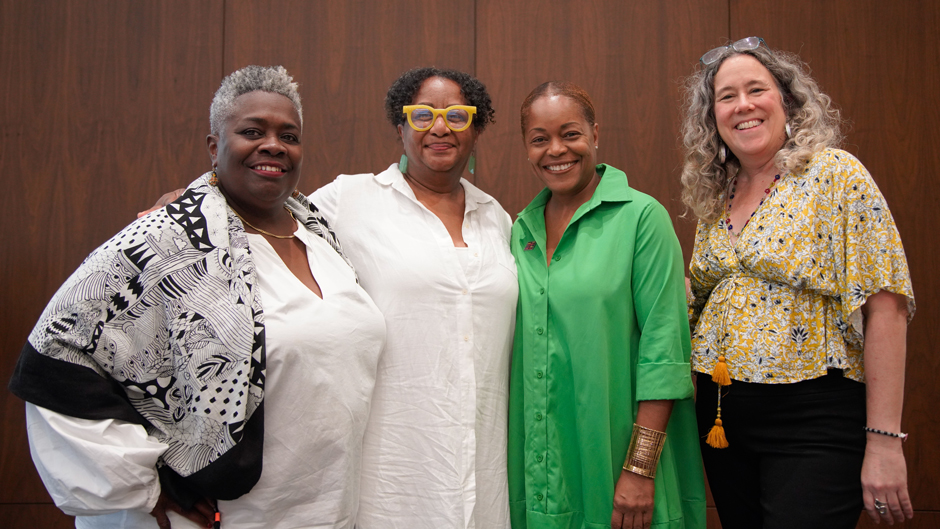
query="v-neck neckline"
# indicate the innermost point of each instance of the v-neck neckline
(732, 240)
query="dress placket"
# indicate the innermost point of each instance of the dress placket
(466, 459)
(537, 375)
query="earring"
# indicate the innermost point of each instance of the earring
(403, 164)
(722, 154)
(295, 194)
(788, 131)
(214, 179)
(472, 164)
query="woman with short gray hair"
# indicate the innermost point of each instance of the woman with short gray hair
(216, 358)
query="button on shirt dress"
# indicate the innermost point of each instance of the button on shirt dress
(599, 330)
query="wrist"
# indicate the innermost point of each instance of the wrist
(646, 445)
(880, 444)
(894, 433)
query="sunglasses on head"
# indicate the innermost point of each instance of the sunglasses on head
(748, 44)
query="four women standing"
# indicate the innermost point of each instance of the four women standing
(601, 431)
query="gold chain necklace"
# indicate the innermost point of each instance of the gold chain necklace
(259, 230)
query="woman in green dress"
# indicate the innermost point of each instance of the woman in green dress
(600, 375)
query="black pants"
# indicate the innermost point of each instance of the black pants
(795, 452)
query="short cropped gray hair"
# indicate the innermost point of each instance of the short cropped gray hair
(274, 79)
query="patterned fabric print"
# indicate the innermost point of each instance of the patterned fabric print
(784, 303)
(168, 308)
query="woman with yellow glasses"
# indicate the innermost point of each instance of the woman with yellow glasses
(456, 117)
(433, 252)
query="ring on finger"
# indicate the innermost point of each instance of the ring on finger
(880, 506)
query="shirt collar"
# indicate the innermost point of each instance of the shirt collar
(392, 177)
(613, 187)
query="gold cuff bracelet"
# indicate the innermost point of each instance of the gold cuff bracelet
(646, 445)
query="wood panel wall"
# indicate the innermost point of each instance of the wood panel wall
(879, 63)
(103, 101)
(105, 106)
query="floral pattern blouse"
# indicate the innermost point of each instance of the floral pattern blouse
(783, 303)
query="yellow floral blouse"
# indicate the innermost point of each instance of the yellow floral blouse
(784, 303)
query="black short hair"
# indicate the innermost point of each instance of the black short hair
(403, 91)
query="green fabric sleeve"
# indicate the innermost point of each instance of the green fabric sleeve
(663, 369)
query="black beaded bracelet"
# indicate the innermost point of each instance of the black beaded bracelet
(901, 436)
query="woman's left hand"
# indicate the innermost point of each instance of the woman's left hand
(633, 502)
(884, 471)
(202, 513)
(884, 478)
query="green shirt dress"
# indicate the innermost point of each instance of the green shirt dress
(601, 329)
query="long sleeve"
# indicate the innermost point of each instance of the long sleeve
(93, 467)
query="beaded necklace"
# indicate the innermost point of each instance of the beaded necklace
(734, 184)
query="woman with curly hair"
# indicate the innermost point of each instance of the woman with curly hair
(433, 252)
(800, 299)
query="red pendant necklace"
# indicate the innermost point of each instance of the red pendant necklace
(734, 184)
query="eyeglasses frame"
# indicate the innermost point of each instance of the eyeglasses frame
(733, 46)
(439, 112)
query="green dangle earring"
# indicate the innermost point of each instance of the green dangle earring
(403, 164)
(472, 164)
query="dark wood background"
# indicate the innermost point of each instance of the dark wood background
(105, 107)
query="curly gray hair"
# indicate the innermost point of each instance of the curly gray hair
(814, 124)
(274, 79)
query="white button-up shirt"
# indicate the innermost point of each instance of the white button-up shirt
(434, 452)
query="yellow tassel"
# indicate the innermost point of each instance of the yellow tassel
(716, 437)
(720, 374)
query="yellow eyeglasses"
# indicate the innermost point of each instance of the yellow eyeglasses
(456, 117)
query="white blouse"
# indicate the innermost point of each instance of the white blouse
(320, 371)
(434, 452)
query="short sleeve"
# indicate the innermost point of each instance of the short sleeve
(698, 293)
(872, 256)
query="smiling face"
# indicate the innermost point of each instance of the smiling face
(749, 110)
(561, 145)
(438, 149)
(257, 155)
